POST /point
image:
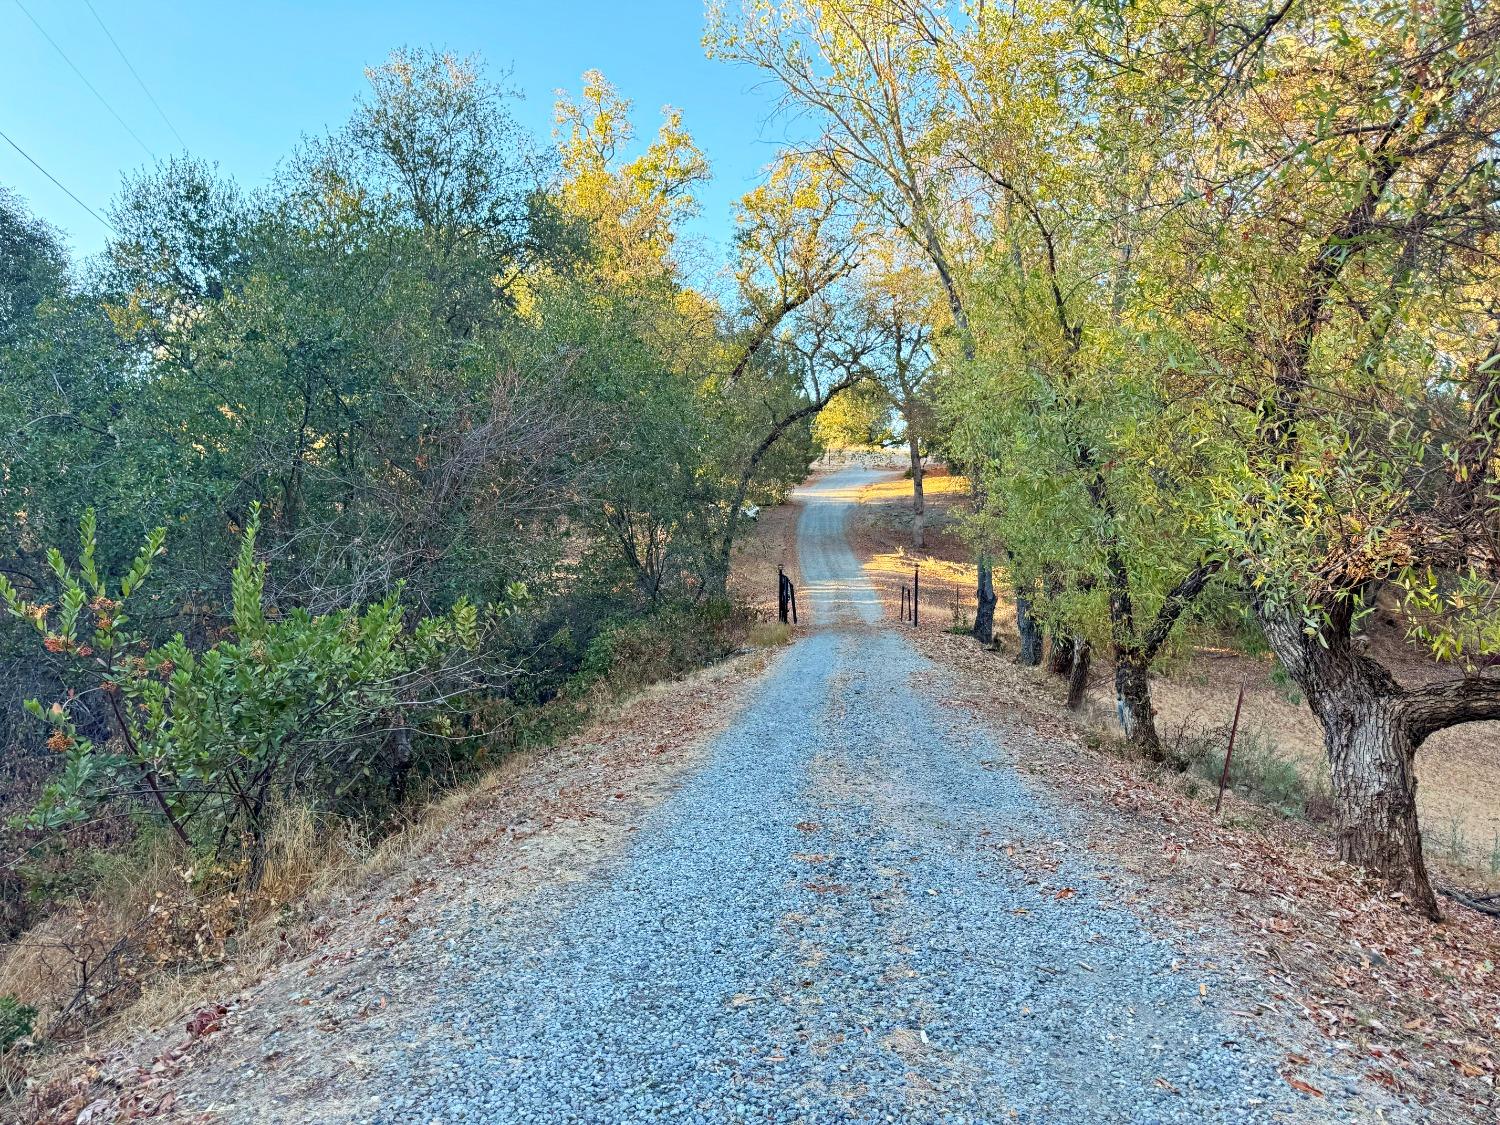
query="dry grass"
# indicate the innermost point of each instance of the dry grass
(153, 936)
(768, 634)
(880, 533)
(1458, 769)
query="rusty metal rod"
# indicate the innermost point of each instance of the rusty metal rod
(1228, 750)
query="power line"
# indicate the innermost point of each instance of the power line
(103, 222)
(83, 78)
(139, 81)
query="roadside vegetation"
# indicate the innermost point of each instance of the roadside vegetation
(317, 500)
(320, 500)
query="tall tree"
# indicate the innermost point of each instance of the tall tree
(1334, 256)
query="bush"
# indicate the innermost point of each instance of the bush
(280, 706)
(1258, 768)
(669, 641)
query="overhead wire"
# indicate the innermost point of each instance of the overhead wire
(84, 79)
(58, 183)
(139, 80)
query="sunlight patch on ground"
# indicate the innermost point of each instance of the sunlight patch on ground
(935, 482)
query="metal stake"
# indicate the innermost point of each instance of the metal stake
(1233, 728)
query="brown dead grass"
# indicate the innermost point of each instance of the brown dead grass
(880, 533)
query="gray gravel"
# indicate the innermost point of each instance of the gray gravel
(824, 924)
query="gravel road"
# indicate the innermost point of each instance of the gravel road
(855, 911)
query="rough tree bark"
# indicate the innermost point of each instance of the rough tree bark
(1371, 731)
(1133, 653)
(1027, 625)
(984, 604)
(1078, 676)
(1031, 632)
(1133, 702)
(1060, 653)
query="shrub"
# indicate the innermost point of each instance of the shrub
(281, 705)
(672, 639)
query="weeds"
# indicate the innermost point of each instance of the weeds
(768, 634)
(16, 1020)
(1258, 768)
(1453, 842)
(1286, 685)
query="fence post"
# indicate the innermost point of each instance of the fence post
(781, 594)
(916, 586)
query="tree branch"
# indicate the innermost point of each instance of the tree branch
(1434, 707)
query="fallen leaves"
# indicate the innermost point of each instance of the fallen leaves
(1302, 1087)
(206, 1021)
(1420, 1002)
(821, 888)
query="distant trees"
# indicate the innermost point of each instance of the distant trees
(1220, 312)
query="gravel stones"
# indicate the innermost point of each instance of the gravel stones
(855, 911)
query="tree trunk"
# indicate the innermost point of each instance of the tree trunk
(984, 604)
(1370, 757)
(1133, 703)
(1368, 734)
(1031, 633)
(918, 502)
(1078, 676)
(401, 760)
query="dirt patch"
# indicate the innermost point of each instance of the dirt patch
(543, 817)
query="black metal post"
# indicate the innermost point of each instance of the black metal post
(916, 585)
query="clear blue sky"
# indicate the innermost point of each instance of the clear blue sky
(243, 81)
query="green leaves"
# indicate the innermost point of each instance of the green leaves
(282, 703)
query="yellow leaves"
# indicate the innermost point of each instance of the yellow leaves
(633, 208)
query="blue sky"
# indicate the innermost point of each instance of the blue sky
(243, 81)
